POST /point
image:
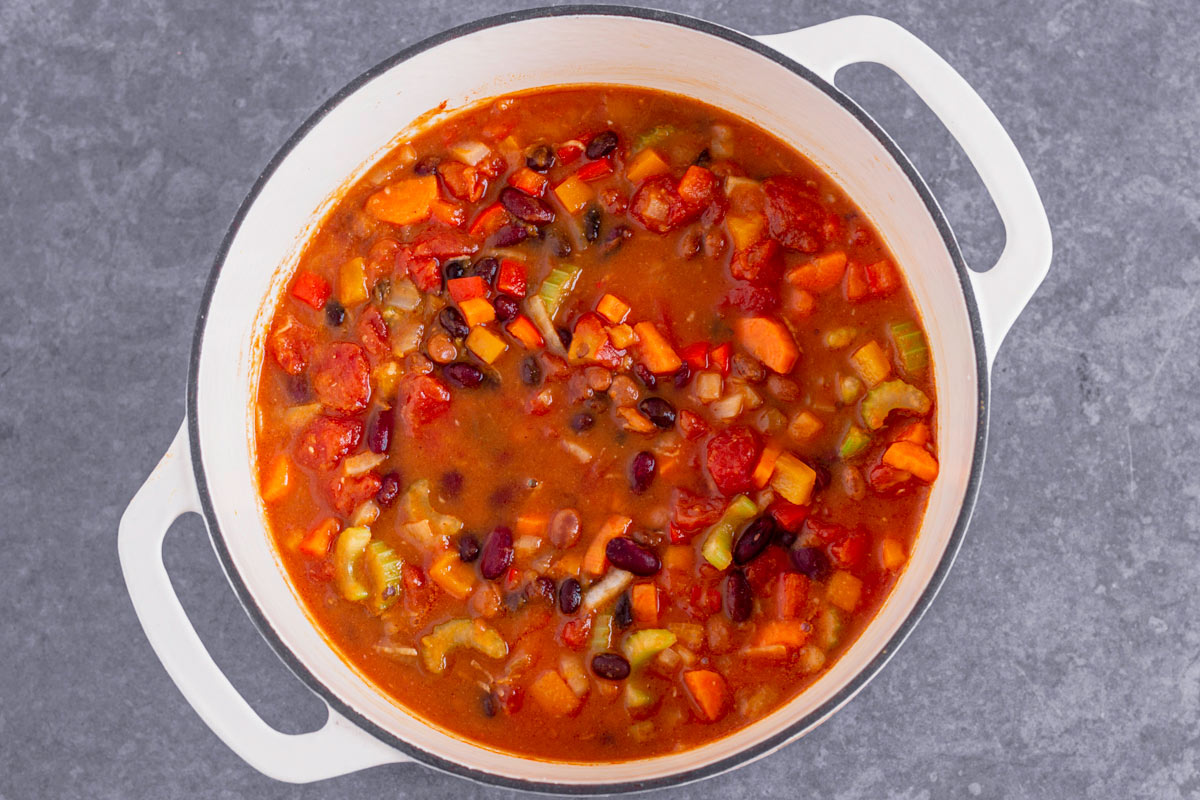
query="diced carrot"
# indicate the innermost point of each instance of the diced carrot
(644, 599)
(656, 352)
(589, 343)
(891, 553)
(843, 590)
(857, 286)
(530, 525)
(912, 458)
(462, 289)
(448, 213)
(476, 310)
(799, 304)
(613, 309)
(554, 695)
(596, 558)
(790, 633)
(645, 164)
(595, 170)
(917, 433)
(490, 220)
(622, 336)
(820, 274)
(275, 480)
(709, 692)
(525, 332)
(454, 576)
(316, 542)
(766, 465)
(697, 185)
(530, 182)
(720, 357)
(769, 341)
(574, 194)
(791, 595)
(352, 282)
(512, 278)
(882, 277)
(311, 288)
(404, 202)
(485, 344)
(634, 420)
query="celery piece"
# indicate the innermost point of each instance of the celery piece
(384, 567)
(827, 628)
(641, 646)
(456, 633)
(718, 545)
(854, 442)
(348, 571)
(652, 137)
(638, 696)
(536, 309)
(560, 281)
(417, 507)
(895, 395)
(602, 633)
(910, 344)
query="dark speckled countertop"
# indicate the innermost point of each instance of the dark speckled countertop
(1060, 659)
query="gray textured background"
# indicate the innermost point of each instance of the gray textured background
(1059, 660)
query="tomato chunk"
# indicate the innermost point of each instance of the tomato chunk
(657, 205)
(794, 217)
(348, 491)
(291, 344)
(731, 456)
(342, 377)
(426, 398)
(373, 332)
(325, 441)
(761, 263)
(691, 511)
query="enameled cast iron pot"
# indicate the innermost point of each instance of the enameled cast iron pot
(784, 83)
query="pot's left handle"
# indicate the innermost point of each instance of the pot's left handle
(336, 748)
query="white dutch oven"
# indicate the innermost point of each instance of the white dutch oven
(784, 84)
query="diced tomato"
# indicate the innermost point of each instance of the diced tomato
(790, 595)
(825, 531)
(788, 515)
(698, 186)
(381, 258)
(704, 600)
(887, 480)
(325, 441)
(511, 279)
(657, 205)
(763, 572)
(849, 551)
(419, 593)
(342, 377)
(443, 243)
(590, 343)
(695, 355)
(463, 181)
(575, 632)
(751, 298)
(494, 165)
(292, 343)
(691, 511)
(347, 491)
(490, 220)
(311, 288)
(569, 152)
(731, 457)
(720, 357)
(858, 285)
(425, 273)
(794, 217)
(467, 288)
(595, 170)
(692, 425)
(373, 332)
(512, 579)
(530, 182)
(425, 399)
(761, 263)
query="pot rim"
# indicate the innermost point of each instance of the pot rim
(747, 754)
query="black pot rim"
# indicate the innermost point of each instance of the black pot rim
(742, 756)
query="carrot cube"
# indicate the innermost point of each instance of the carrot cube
(820, 274)
(769, 341)
(912, 458)
(746, 231)
(316, 542)
(844, 590)
(554, 695)
(524, 331)
(709, 692)
(891, 553)
(452, 575)
(276, 480)
(477, 311)
(613, 309)
(485, 344)
(766, 465)
(644, 599)
(622, 336)
(404, 202)
(645, 164)
(656, 352)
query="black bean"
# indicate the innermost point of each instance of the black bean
(542, 588)
(641, 471)
(682, 376)
(389, 489)
(623, 613)
(783, 537)
(485, 268)
(582, 421)
(703, 159)
(615, 238)
(610, 666)
(487, 704)
(564, 336)
(644, 375)
(463, 375)
(823, 477)
(507, 307)
(452, 483)
(624, 553)
(739, 599)
(557, 244)
(591, 224)
(754, 539)
(455, 269)
(531, 371)
(810, 561)
(335, 313)
(601, 145)
(452, 320)
(526, 208)
(497, 554)
(659, 411)
(380, 433)
(468, 547)
(426, 166)
(540, 158)
(570, 595)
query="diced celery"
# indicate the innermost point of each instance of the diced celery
(348, 570)
(895, 395)
(417, 507)
(541, 318)
(910, 344)
(718, 545)
(638, 696)
(827, 628)
(383, 566)
(602, 633)
(854, 442)
(456, 633)
(838, 338)
(652, 137)
(641, 646)
(560, 281)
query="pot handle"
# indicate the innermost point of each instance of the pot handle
(1003, 291)
(336, 748)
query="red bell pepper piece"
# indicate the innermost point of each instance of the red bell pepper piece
(311, 288)
(595, 170)
(695, 355)
(569, 152)
(512, 278)
(719, 357)
(530, 182)
(790, 517)
(461, 289)
(490, 220)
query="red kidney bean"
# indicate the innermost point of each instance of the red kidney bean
(601, 145)
(542, 588)
(624, 553)
(487, 705)
(615, 238)
(739, 599)
(497, 553)
(380, 432)
(644, 375)
(754, 539)
(335, 313)
(389, 489)
(468, 547)
(570, 595)
(810, 561)
(641, 471)
(682, 376)
(610, 666)
(564, 528)
(509, 235)
(623, 613)
(582, 421)
(659, 411)
(507, 307)
(526, 208)
(452, 320)
(463, 375)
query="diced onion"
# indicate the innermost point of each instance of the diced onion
(471, 152)
(363, 462)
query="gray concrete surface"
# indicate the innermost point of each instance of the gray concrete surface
(1060, 659)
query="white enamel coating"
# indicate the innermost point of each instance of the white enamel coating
(345, 142)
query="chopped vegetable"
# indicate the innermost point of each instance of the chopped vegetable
(316, 542)
(512, 279)
(638, 696)
(838, 338)
(363, 462)
(894, 395)
(595, 170)
(850, 389)
(458, 633)
(645, 604)
(311, 288)
(602, 633)
(790, 633)
(462, 289)
(525, 332)
(455, 577)
(352, 283)
(709, 692)
(718, 544)
(558, 283)
(404, 202)
(485, 344)
(854, 442)
(891, 554)
(821, 274)
(605, 590)
(828, 627)
(384, 568)
(417, 508)
(910, 344)
(766, 465)
(872, 363)
(804, 426)
(769, 341)
(347, 562)
(654, 349)
(646, 164)
(652, 137)
(554, 695)
(746, 231)
(707, 387)
(844, 590)
(793, 479)
(574, 194)
(613, 309)
(595, 559)
(490, 220)
(275, 481)
(622, 336)
(541, 320)
(477, 311)
(912, 458)
(530, 182)
(641, 646)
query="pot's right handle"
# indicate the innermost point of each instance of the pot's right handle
(336, 748)
(1003, 291)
